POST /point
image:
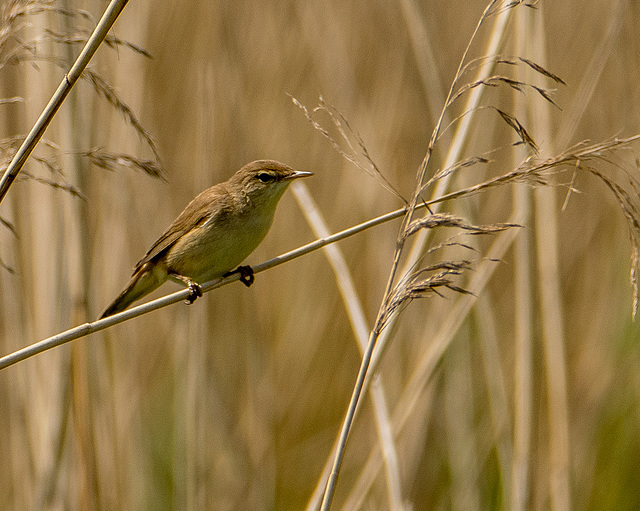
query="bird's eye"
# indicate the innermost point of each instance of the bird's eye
(265, 177)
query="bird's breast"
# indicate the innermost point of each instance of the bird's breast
(218, 245)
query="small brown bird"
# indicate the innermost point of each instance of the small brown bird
(213, 235)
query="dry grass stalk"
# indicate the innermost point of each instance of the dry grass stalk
(14, 18)
(82, 36)
(14, 11)
(65, 187)
(356, 152)
(355, 310)
(112, 162)
(434, 220)
(102, 88)
(416, 284)
(384, 313)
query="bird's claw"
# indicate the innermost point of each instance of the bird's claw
(246, 274)
(195, 292)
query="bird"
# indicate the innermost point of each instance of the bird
(217, 230)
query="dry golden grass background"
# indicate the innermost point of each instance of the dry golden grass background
(235, 402)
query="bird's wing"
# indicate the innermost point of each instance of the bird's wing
(194, 215)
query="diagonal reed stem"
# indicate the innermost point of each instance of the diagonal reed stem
(97, 37)
(89, 328)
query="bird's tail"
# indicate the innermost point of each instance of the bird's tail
(144, 280)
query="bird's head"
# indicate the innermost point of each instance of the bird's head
(264, 181)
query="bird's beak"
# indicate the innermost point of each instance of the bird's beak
(300, 173)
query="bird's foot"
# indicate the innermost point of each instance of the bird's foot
(195, 292)
(246, 274)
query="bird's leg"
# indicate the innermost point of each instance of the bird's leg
(193, 286)
(246, 274)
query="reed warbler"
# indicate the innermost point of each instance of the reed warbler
(213, 235)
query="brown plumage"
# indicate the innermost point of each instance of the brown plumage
(213, 234)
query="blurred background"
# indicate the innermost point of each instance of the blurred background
(528, 400)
